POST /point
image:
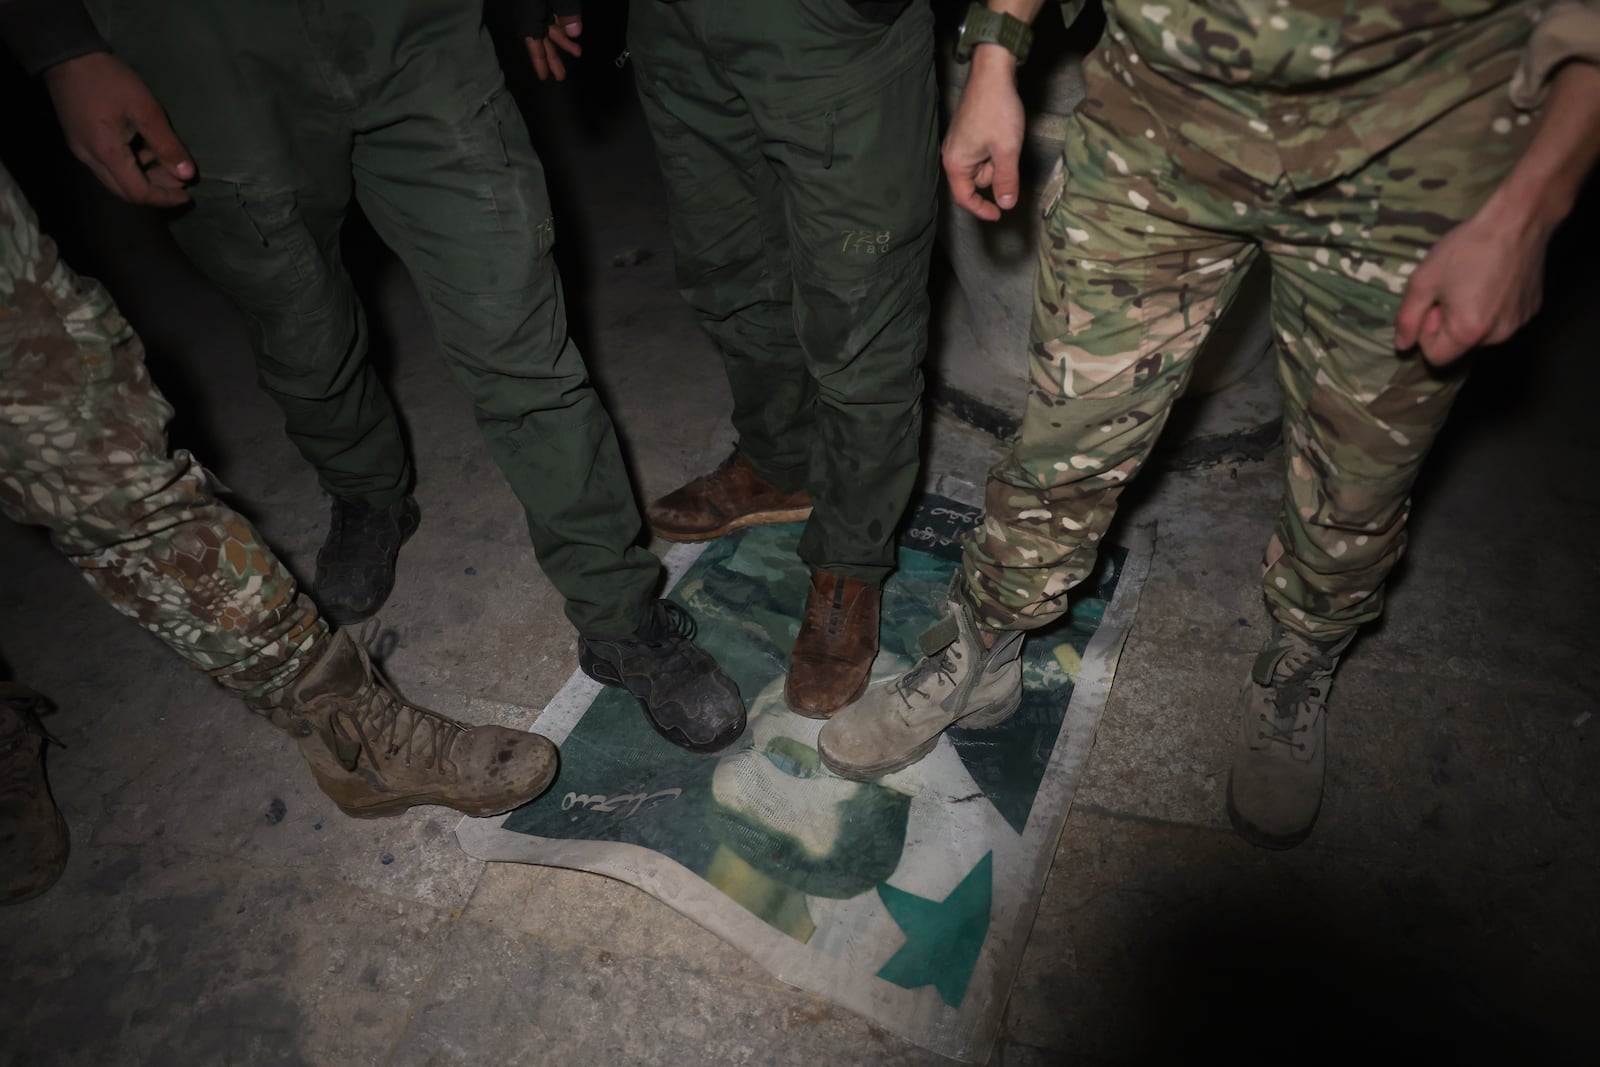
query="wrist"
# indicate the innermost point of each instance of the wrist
(1535, 203)
(993, 60)
(65, 68)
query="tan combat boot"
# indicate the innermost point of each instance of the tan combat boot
(376, 754)
(33, 835)
(958, 683)
(1275, 786)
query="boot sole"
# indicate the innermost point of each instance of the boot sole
(676, 739)
(743, 522)
(400, 805)
(1261, 838)
(876, 770)
(991, 717)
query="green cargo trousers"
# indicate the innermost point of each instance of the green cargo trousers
(83, 453)
(290, 110)
(1139, 256)
(799, 142)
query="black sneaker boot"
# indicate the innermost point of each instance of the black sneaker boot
(355, 566)
(684, 694)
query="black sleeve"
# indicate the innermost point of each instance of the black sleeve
(42, 33)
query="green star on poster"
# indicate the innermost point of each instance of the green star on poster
(943, 937)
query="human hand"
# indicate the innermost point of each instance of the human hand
(1479, 285)
(985, 139)
(118, 130)
(549, 28)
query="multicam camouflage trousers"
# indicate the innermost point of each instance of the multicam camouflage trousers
(1139, 255)
(83, 452)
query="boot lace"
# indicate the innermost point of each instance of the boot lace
(940, 669)
(1299, 695)
(387, 727)
(679, 623)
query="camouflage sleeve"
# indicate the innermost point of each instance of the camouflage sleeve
(26, 255)
(1568, 31)
(1071, 9)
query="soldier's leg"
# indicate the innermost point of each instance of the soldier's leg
(728, 237)
(1127, 290)
(845, 109)
(446, 173)
(448, 177)
(243, 88)
(272, 245)
(1359, 419)
(1135, 265)
(83, 452)
(247, 89)
(857, 161)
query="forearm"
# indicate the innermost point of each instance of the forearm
(42, 33)
(1542, 186)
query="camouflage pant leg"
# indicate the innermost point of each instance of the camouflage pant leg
(1139, 257)
(1127, 290)
(83, 452)
(1358, 418)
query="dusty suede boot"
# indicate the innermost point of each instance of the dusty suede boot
(1275, 785)
(376, 754)
(958, 683)
(729, 498)
(33, 835)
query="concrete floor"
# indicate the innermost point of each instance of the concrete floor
(1446, 904)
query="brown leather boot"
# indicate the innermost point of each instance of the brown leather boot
(376, 754)
(729, 498)
(838, 640)
(33, 835)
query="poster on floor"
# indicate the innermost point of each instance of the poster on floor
(907, 899)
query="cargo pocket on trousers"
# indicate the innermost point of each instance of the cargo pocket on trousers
(253, 242)
(510, 180)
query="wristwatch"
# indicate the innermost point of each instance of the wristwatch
(982, 26)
